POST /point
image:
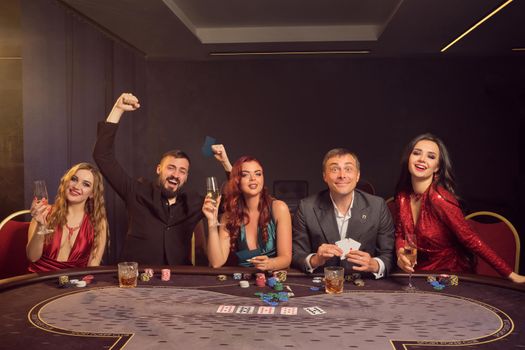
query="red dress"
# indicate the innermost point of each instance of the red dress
(79, 255)
(443, 235)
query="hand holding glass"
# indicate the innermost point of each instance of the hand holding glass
(212, 188)
(40, 195)
(410, 252)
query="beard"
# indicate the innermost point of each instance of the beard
(167, 192)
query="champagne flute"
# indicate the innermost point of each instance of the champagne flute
(40, 194)
(410, 249)
(213, 191)
(40, 190)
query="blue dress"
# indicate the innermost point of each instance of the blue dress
(268, 249)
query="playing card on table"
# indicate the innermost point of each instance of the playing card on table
(288, 310)
(226, 309)
(245, 309)
(265, 310)
(314, 310)
(346, 245)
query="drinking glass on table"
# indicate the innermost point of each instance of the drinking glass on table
(410, 251)
(127, 274)
(334, 278)
(40, 195)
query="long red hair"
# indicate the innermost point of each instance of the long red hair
(235, 204)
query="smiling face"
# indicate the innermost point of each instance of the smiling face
(341, 174)
(423, 162)
(252, 178)
(80, 187)
(173, 173)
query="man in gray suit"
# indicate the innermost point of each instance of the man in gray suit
(342, 212)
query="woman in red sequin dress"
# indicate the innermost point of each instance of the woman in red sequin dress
(427, 208)
(73, 231)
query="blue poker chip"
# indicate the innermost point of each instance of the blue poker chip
(315, 289)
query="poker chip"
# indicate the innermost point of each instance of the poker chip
(454, 280)
(281, 275)
(278, 286)
(260, 283)
(317, 280)
(244, 284)
(290, 294)
(271, 282)
(444, 279)
(237, 276)
(222, 278)
(88, 278)
(165, 274)
(247, 276)
(145, 277)
(431, 279)
(73, 281)
(437, 286)
(352, 277)
(273, 299)
(81, 284)
(149, 272)
(315, 289)
(260, 279)
(359, 282)
(62, 280)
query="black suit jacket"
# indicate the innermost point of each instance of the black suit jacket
(158, 234)
(371, 224)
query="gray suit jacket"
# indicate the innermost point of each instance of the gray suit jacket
(371, 224)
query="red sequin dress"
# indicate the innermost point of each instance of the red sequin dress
(79, 255)
(444, 237)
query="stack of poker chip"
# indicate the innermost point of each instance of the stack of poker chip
(165, 274)
(237, 276)
(280, 275)
(454, 280)
(274, 283)
(317, 280)
(448, 280)
(63, 280)
(247, 276)
(260, 279)
(144, 277)
(273, 299)
(149, 272)
(244, 284)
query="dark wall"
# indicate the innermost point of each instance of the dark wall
(72, 74)
(11, 133)
(289, 113)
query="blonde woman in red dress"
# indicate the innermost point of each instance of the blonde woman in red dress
(73, 231)
(427, 208)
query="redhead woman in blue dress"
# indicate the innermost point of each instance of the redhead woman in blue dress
(255, 229)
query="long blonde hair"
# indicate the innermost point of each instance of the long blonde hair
(94, 207)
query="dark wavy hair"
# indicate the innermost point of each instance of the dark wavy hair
(235, 204)
(444, 176)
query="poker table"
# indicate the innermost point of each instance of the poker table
(196, 310)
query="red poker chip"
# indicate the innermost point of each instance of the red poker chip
(88, 279)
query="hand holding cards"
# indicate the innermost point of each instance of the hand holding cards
(346, 245)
